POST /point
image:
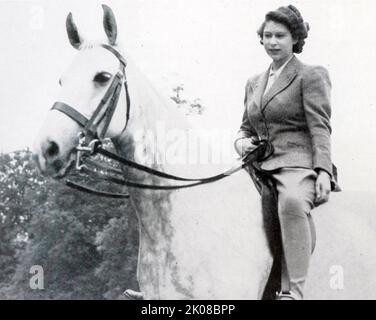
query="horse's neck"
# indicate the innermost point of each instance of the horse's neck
(152, 206)
(157, 130)
(157, 137)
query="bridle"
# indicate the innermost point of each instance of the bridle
(105, 110)
(95, 129)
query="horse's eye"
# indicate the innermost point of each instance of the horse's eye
(60, 83)
(102, 77)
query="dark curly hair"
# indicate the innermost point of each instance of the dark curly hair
(293, 20)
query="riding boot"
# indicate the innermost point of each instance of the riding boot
(133, 295)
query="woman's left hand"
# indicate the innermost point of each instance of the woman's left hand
(322, 187)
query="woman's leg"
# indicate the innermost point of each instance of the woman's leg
(296, 192)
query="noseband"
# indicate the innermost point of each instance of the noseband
(90, 143)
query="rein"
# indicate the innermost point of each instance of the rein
(96, 170)
(90, 143)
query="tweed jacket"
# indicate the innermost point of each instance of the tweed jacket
(294, 115)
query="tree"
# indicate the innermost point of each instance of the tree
(17, 177)
(64, 231)
(192, 107)
(176, 98)
(118, 243)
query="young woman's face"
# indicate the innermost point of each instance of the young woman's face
(278, 41)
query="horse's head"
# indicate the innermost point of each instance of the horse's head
(94, 79)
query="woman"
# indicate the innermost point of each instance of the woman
(289, 106)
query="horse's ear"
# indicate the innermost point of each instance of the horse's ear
(109, 24)
(73, 35)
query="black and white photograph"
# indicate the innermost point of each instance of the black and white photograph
(187, 150)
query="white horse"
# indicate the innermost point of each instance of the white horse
(205, 242)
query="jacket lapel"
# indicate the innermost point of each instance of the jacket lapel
(287, 75)
(259, 87)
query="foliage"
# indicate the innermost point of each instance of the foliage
(84, 243)
(17, 178)
(115, 249)
(190, 107)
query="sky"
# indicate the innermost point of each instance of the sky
(210, 47)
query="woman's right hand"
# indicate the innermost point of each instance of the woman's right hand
(245, 145)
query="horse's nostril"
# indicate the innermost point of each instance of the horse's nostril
(51, 150)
